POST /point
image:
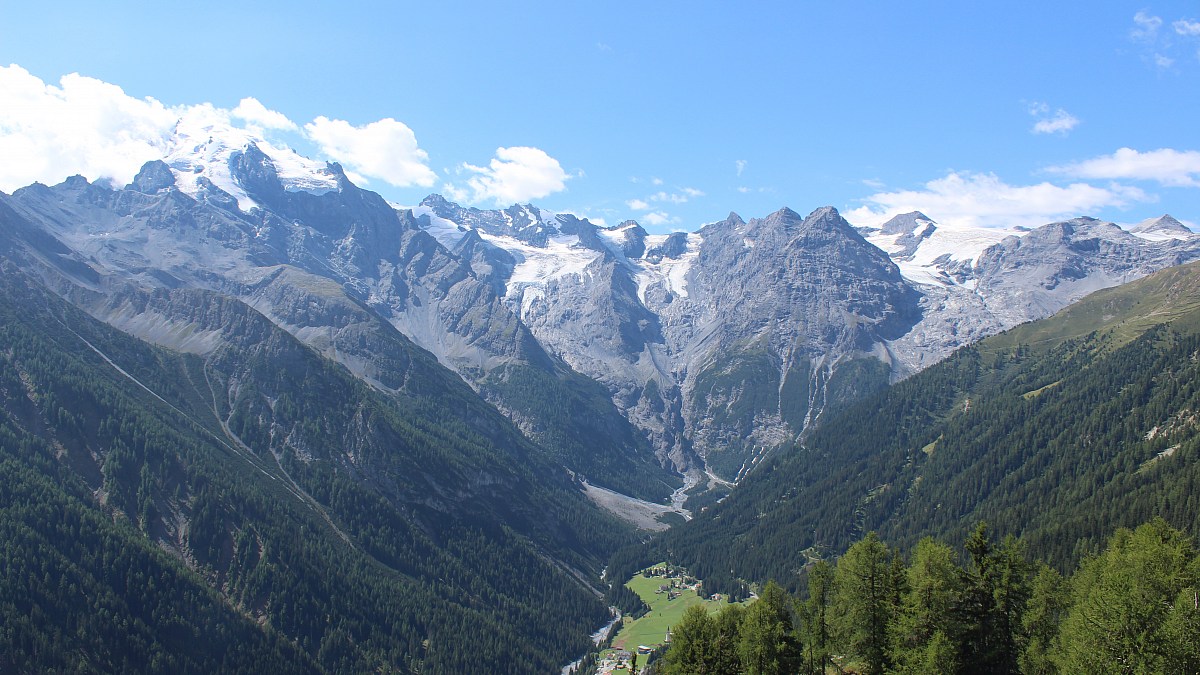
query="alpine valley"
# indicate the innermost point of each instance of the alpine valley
(258, 418)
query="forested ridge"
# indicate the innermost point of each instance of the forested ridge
(1058, 432)
(259, 509)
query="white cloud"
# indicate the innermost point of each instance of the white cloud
(83, 126)
(1060, 123)
(1186, 27)
(89, 127)
(1175, 168)
(515, 174)
(1164, 48)
(1145, 26)
(656, 181)
(256, 114)
(656, 218)
(984, 200)
(740, 165)
(692, 192)
(385, 149)
(674, 198)
(638, 205)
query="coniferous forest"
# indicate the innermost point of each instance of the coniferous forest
(257, 507)
(984, 608)
(162, 512)
(1058, 432)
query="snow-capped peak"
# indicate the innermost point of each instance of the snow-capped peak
(928, 253)
(203, 146)
(1162, 228)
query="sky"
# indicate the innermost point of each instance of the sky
(670, 113)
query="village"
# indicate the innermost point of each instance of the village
(668, 591)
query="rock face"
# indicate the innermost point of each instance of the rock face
(721, 344)
(623, 351)
(343, 271)
(779, 311)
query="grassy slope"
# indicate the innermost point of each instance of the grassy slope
(651, 628)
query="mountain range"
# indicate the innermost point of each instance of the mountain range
(693, 351)
(448, 402)
(1057, 431)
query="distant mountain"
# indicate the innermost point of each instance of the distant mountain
(714, 343)
(1058, 431)
(1163, 227)
(368, 430)
(631, 357)
(327, 265)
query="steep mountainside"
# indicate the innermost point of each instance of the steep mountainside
(724, 343)
(1057, 431)
(326, 267)
(629, 356)
(308, 516)
(731, 341)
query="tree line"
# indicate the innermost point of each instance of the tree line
(1133, 608)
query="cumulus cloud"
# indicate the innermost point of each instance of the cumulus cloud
(515, 174)
(1059, 123)
(1145, 26)
(385, 149)
(984, 200)
(664, 197)
(1186, 27)
(1164, 48)
(255, 114)
(671, 197)
(740, 165)
(83, 126)
(1174, 168)
(656, 218)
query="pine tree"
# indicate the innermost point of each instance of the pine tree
(815, 618)
(1133, 606)
(767, 645)
(995, 595)
(862, 610)
(926, 632)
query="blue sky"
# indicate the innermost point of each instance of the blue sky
(671, 113)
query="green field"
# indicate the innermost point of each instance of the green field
(651, 629)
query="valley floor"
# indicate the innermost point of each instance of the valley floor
(641, 513)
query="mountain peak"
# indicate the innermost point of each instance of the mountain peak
(789, 214)
(209, 147)
(1165, 226)
(905, 223)
(154, 177)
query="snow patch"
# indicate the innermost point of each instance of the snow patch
(958, 243)
(447, 232)
(562, 255)
(202, 147)
(670, 272)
